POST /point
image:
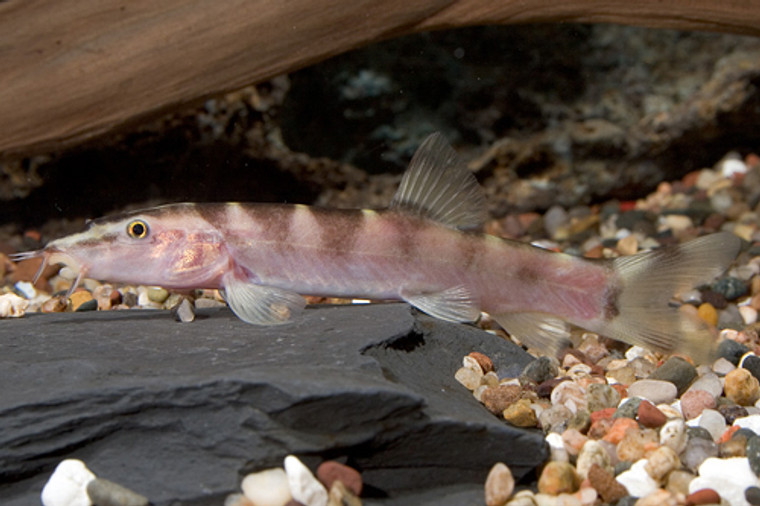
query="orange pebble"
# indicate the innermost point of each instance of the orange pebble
(619, 428)
(728, 433)
(708, 313)
(601, 414)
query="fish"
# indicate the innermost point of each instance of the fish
(426, 248)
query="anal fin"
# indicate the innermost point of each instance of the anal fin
(258, 304)
(453, 304)
(540, 331)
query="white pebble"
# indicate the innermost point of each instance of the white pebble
(557, 447)
(637, 480)
(143, 300)
(731, 166)
(673, 435)
(304, 487)
(67, 485)
(751, 422)
(635, 352)
(26, 289)
(12, 306)
(267, 488)
(729, 477)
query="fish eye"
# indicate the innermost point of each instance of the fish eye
(137, 229)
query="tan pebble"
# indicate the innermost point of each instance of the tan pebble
(628, 245)
(521, 414)
(468, 377)
(635, 443)
(558, 478)
(331, 471)
(749, 314)
(708, 313)
(661, 462)
(570, 360)
(741, 387)
(486, 364)
(157, 294)
(54, 305)
(497, 399)
(574, 441)
(340, 495)
(569, 394)
(659, 497)
(592, 454)
(478, 392)
(523, 498)
(669, 411)
(678, 482)
(78, 298)
(500, 485)
(490, 379)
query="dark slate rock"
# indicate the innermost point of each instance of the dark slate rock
(178, 412)
(753, 454)
(676, 370)
(540, 370)
(732, 350)
(730, 287)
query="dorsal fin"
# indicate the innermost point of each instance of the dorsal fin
(438, 185)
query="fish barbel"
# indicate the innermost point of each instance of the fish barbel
(423, 249)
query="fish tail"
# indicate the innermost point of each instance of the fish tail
(638, 310)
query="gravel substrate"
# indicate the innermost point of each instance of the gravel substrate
(624, 425)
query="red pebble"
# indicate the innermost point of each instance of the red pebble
(650, 416)
(602, 414)
(728, 434)
(331, 471)
(703, 496)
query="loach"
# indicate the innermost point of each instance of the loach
(423, 249)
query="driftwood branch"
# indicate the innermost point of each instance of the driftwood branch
(73, 69)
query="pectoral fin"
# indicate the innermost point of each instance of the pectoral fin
(260, 305)
(536, 330)
(454, 304)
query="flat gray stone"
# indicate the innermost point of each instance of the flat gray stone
(179, 412)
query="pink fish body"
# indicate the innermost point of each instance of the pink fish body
(423, 249)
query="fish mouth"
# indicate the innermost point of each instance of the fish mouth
(52, 256)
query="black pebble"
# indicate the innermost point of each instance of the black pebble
(90, 305)
(731, 350)
(752, 364)
(731, 288)
(752, 495)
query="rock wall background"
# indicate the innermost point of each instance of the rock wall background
(548, 114)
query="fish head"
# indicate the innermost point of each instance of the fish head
(171, 246)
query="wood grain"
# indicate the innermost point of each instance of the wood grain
(74, 69)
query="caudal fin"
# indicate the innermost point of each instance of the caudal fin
(650, 280)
